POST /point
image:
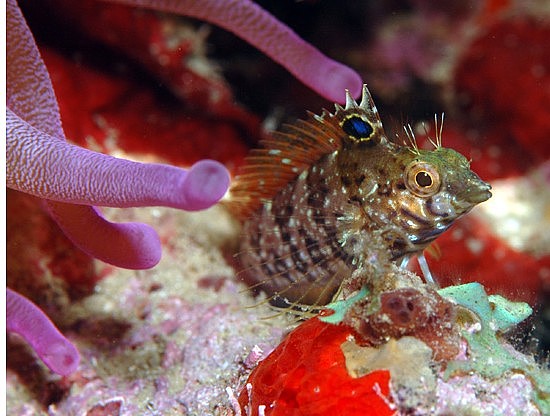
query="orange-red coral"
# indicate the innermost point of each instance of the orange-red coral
(505, 77)
(306, 375)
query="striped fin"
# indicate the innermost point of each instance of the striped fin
(294, 149)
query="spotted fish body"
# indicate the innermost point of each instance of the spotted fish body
(331, 193)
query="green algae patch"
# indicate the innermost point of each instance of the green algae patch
(488, 355)
(341, 307)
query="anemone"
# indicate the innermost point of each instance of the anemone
(71, 179)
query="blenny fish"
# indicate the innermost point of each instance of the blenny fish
(327, 195)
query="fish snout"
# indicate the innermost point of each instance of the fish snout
(475, 191)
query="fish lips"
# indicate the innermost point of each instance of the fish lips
(474, 192)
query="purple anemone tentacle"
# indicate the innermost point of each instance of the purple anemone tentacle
(29, 91)
(42, 163)
(24, 318)
(59, 171)
(130, 245)
(256, 26)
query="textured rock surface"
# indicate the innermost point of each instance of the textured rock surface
(168, 340)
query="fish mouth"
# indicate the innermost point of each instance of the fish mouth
(476, 192)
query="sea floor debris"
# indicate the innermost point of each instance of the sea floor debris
(440, 359)
(168, 340)
(173, 339)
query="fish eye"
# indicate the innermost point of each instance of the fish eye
(422, 179)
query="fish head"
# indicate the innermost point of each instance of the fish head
(432, 190)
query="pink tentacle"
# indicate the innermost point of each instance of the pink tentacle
(256, 26)
(130, 245)
(24, 318)
(59, 171)
(29, 91)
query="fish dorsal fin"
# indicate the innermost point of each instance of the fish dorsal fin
(298, 146)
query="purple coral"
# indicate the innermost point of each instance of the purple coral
(256, 26)
(27, 320)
